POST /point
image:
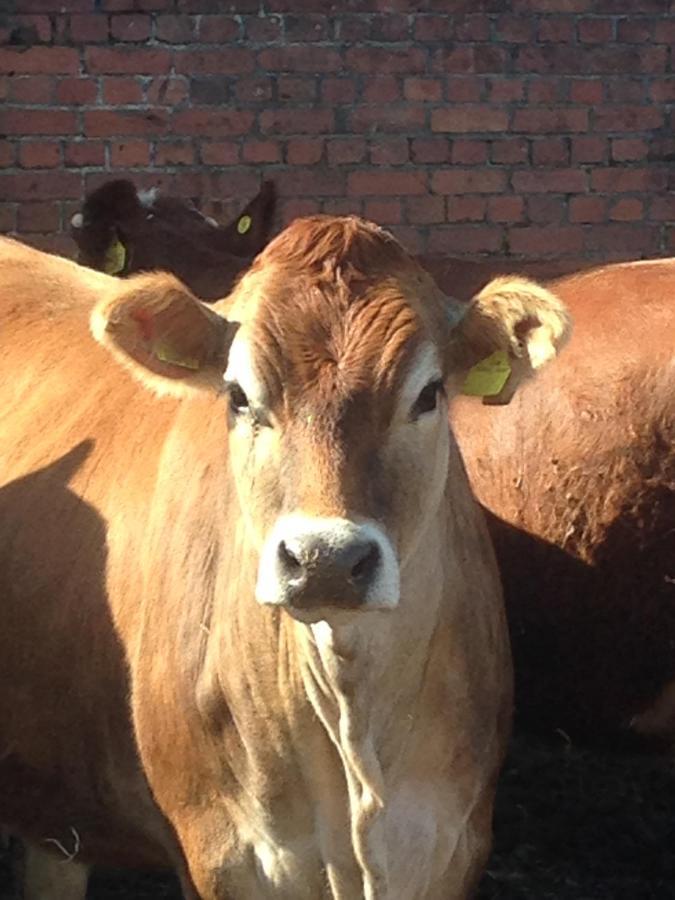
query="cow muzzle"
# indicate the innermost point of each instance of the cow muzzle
(312, 564)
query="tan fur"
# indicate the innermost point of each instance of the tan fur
(202, 730)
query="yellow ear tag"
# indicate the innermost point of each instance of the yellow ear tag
(168, 354)
(244, 224)
(115, 258)
(488, 377)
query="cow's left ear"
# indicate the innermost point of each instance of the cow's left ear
(508, 331)
(164, 335)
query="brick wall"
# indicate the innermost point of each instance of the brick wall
(531, 127)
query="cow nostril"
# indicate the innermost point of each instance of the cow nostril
(288, 559)
(365, 567)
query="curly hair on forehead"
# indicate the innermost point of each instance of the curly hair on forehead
(324, 247)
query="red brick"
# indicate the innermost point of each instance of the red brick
(664, 31)
(564, 181)
(389, 152)
(219, 153)
(236, 61)
(253, 90)
(627, 209)
(109, 123)
(469, 118)
(459, 239)
(384, 212)
(167, 91)
(8, 213)
(390, 27)
(352, 29)
(341, 206)
(338, 90)
(506, 90)
(298, 89)
(130, 27)
(464, 58)
(300, 59)
(428, 210)
(622, 90)
(125, 154)
(505, 209)
(76, 91)
(430, 150)
(128, 60)
(306, 28)
(218, 29)
(550, 120)
(38, 27)
(379, 60)
(629, 149)
(32, 89)
(465, 209)
(304, 151)
(39, 60)
(422, 89)
(515, 29)
(621, 180)
(556, 29)
(369, 182)
(464, 90)
(546, 91)
(595, 31)
(545, 208)
(89, 29)
(261, 151)
(306, 182)
(38, 121)
(264, 29)
(7, 156)
(176, 29)
(39, 155)
(662, 209)
(452, 27)
(627, 118)
(469, 152)
(387, 118)
(550, 152)
(588, 92)
(509, 150)
(341, 151)
(408, 237)
(588, 209)
(118, 91)
(383, 89)
(626, 59)
(213, 122)
(56, 185)
(296, 121)
(174, 153)
(39, 217)
(84, 153)
(554, 240)
(298, 209)
(623, 236)
(468, 181)
(634, 31)
(588, 149)
(663, 91)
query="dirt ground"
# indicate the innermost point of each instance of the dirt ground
(570, 824)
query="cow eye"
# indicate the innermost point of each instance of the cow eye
(238, 399)
(428, 399)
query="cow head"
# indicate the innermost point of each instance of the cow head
(121, 231)
(336, 353)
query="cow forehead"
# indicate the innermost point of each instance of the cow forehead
(328, 344)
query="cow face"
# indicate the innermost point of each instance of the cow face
(336, 374)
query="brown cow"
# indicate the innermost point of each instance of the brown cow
(579, 476)
(288, 577)
(122, 230)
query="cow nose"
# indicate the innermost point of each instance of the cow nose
(317, 572)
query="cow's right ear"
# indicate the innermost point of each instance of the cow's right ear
(165, 336)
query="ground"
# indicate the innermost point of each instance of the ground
(570, 824)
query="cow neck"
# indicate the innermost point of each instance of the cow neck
(363, 674)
